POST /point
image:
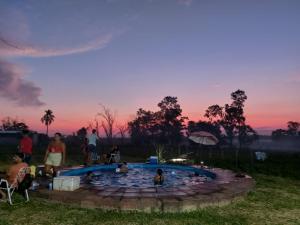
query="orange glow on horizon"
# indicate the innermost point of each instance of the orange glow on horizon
(72, 125)
(70, 118)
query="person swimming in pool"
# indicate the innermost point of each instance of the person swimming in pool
(159, 177)
(122, 168)
(88, 177)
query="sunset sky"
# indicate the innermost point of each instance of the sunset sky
(69, 56)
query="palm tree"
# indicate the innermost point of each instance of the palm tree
(47, 118)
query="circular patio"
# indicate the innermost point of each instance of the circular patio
(220, 191)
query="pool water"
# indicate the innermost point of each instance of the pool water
(142, 177)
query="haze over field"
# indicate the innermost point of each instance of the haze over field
(69, 56)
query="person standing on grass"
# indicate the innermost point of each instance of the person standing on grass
(25, 147)
(92, 144)
(55, 155)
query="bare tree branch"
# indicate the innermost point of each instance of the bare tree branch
(122, 130)
(108, 121)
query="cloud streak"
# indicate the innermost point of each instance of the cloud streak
(11, 49)
(14, 88)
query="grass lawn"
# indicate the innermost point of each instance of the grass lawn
(275, 200)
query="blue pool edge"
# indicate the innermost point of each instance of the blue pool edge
(84, 170)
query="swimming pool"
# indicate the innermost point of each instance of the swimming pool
(181, 192)
(141, 175)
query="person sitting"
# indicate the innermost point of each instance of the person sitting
(114, 155)
(159, 178)
(104, 158)
(13, 171)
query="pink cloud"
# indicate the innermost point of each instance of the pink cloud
(14, 88)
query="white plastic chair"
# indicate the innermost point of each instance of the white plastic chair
(10, 188)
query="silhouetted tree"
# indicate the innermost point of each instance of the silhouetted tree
(122, 130)
(247, 135)
(144, 128)
(230, 117)
(81, 133)
(107, 122)
(162, 127)
(278, 134)
(13, 124)
(171, 120)
(215, 113)
(47, 119)
(293, 128)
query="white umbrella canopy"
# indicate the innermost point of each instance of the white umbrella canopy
(203, 138)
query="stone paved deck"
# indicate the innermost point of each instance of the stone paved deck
(220, 191)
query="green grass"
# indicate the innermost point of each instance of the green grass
(275, 200)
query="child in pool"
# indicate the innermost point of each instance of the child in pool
(159, 178)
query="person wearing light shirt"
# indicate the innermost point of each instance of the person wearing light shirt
(92, 143)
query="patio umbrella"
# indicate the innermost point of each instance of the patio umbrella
(203, 138)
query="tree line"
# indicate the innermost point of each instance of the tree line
(293, 129)
(167, 125)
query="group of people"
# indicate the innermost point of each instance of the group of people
(91, 156)
(123, 169)
(55, 154)
(55, 157)
(21, 160)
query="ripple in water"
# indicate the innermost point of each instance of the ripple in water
(143, 178)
